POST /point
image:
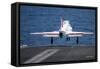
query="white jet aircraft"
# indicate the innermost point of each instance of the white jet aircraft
(65, 30)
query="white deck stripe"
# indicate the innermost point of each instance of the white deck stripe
(42, 56)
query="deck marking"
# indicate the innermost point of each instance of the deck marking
(42, 56)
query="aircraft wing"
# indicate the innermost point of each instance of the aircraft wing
(78, 34)
(47, 34)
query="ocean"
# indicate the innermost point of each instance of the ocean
(47, 19)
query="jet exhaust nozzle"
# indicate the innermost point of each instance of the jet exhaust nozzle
(60, 34)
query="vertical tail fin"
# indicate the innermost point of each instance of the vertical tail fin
(61, 22)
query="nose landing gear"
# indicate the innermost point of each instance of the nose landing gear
(67, 38)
